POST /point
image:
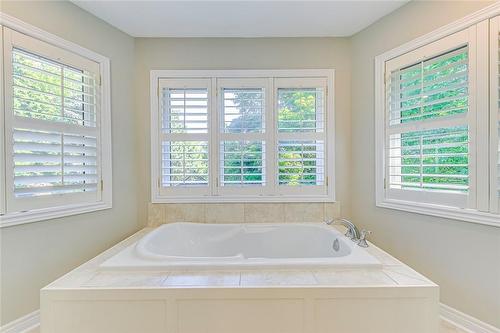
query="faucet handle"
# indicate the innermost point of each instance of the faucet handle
(362, 238)
(350, 234)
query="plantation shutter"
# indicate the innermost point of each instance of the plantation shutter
(301, 136)
(185, 163)
(52, 151)
(243, 105)
(428, 154)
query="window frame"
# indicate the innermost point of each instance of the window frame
(104, 200)
(476, 24)
(242, 78)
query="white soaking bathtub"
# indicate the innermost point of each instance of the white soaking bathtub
(239, 246)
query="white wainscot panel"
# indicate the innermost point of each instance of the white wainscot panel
(124, 316)
(241, 315)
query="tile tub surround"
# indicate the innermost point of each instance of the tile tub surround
(313, 300)
(241, 212)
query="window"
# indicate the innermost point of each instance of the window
(433, 137)
(242, 136)
(54, 123)
(184, 135)
(301, 135)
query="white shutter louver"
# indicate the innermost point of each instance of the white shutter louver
(242, 133)
(185, 110)
(301, 141)
(55, 134)
(185, 163)
(301, 110)
(242, 163)
(184, 130)
(243, 110)
(427, 132)
(52, 163)
(301, 162)
(46, 90)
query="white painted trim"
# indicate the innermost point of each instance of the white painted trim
(25, 324)
(156, 75)
(466, 215)
(227, 73)
(37, 215)
(459, 214)
(105, 128)
(465, 322)
(494, 112)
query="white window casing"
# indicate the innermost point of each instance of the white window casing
(495, 114)
(437, 122)
(243, 137)
(56, 135)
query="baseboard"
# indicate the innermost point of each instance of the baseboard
(31, 322)
(464, 322)
(26, 324)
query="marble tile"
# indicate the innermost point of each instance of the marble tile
(211, 278)
(353, 277)
(277, 278)
(264, 212)
(75, 280)
(156, 214)
(382, 256)
(225, 213)
(404, 275)
(185, 213)
(126, 279)
(332, 210)
(304, 212)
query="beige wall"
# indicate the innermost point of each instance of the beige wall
(32, 255)
(463, 258)
(249, 53)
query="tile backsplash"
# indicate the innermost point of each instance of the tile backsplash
(241, 212)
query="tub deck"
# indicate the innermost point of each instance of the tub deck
(390, 299)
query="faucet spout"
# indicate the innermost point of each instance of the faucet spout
(352, 231)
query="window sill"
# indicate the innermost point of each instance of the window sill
(236, 199)
(465, 215)
(13, 219)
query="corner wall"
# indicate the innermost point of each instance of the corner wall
(463, 258)
(245, 53)
(32, 255)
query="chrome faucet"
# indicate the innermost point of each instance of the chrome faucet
(352, 232)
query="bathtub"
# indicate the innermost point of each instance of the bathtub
(240, 246)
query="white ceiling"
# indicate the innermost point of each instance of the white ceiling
(233, 18)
